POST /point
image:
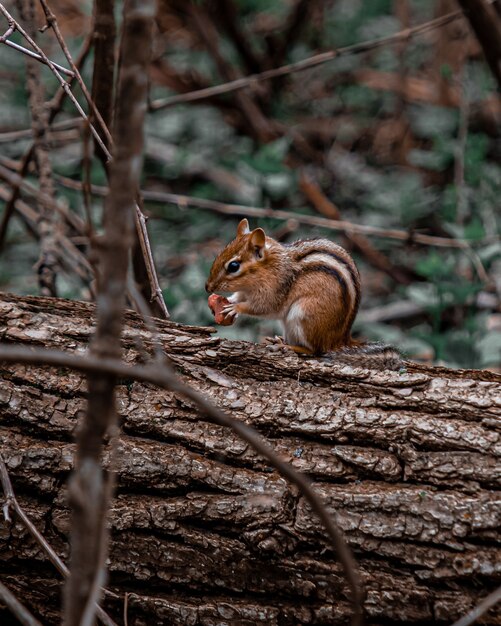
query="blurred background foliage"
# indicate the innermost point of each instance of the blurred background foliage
(403, 136)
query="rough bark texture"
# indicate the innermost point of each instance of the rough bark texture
(204, 533)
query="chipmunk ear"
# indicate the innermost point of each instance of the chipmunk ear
(243, 228)
(257, 241)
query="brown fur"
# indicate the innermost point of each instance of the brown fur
(312, 286)
(272, 278)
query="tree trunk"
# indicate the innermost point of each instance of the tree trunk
(203, 532)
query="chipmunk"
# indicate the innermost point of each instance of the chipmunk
(312, 286)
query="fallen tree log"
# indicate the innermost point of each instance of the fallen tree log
(204, 532)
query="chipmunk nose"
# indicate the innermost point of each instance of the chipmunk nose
(207, 287)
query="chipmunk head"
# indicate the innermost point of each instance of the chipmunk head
(234, 269)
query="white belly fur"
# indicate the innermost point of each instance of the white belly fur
(293, 326)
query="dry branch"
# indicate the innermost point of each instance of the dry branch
(309, 220)
(55, 108)
(21, 612)
(142, 234)
(33, 55)
(64, 84)
(318, 59)
(91, 488)
(47, 264)
(52, 23)
(11, 503)
(411, 463)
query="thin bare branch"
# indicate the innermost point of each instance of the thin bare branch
(64, 84)
(11, 28)
(91, 488)
(309, 220)
(144, 241)
(55, 107)
(140, 220)
(165, 378)
(487, 603)
(47, 264)
(310, 62)
(27, 133)
(12, 503)
(14, 179)
(37, 57)
(52, 21)
(16, 608)
(69, 256)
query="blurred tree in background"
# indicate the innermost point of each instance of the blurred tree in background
(400, 135)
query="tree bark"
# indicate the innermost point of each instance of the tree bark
(204, 532)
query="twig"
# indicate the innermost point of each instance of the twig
(69, 256)
(64, 84)
(310, 62)
(54, 110)
(476, 262)
(11, 202)
(16, 608)
(140, 222)
(16, 180)
(46, 265)
(10, 29)
(37, 57)
(52, 21)
(487, 603)
(164, 377)
(144, 241)
(90, 490)
(309, 220)
(27, 133)
(12, 503)
(27, 213)
(86, 168)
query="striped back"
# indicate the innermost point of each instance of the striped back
(322, 255)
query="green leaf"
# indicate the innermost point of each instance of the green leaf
(474, 230)
(433, 266)
(475, 155)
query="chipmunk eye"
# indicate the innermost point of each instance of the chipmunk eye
(233, 267)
